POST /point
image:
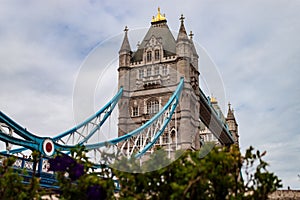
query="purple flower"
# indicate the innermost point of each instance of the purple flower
(96, 192)
(61, 163)
(76, 171)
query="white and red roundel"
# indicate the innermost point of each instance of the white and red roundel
(48, 147)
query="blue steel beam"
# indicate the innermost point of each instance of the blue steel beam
(112, 103)
(141, 128)
(175, 98)
(19, 130)
(17, 141)
(38, 140)
(209, 117)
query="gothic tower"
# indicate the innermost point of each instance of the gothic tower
(233, 126)
(150, 75)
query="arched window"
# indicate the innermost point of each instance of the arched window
(149, 56)
(156, 54)
(173, 135)
(152, 106)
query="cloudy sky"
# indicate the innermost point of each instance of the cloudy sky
(255, 46)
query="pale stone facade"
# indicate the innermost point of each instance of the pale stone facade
(150, 75)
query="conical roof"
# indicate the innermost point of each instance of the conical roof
(230, 114)
(182, 35)
(192, 44)
(125, 47)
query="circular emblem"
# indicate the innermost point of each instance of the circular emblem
(48, 147)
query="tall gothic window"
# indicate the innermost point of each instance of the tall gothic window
(156, 70)
(152, 106)
(149, 70)
(165, 138)
(173, 136)
(141, 73)
(149, 56)
(156, 54)
(165, 70)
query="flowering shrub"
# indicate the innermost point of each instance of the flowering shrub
(64, 163)
(215, 176)
(76, 179)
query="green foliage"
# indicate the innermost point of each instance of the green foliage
(79, 188)
(11, 181)
(215, 176)
(260, 182)
(193, 176)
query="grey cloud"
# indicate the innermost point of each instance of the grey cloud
(255, 45)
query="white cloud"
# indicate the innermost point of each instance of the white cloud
(254, 43)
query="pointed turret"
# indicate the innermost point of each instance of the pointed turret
(125, 47)
(194, 51)
(125, 51)
(183, 44)
(182, 35)
(233, 126)
(183, 51)
(230, 114)
(125, 55)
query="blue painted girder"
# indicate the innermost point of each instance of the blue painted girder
(34, 142)
(175, 95)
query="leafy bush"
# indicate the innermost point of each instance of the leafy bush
(77, 179)
(12, 181)
(215, 176)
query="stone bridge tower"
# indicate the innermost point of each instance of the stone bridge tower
(150, 75)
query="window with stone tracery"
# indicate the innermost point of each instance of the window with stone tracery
(135, 111)
(152, 106)
(156, 54)
(149, 71)
(165, 70)
(156, 70)
(165, 138)
(149, 56)
(141, 73)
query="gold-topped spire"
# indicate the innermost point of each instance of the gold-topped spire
(213, 99)
(159, 16)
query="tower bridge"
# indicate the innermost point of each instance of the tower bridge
(159, 102)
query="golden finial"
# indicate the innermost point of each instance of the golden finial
(159, 16)
(213, 99)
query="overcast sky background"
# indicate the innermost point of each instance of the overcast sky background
(254, 44)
